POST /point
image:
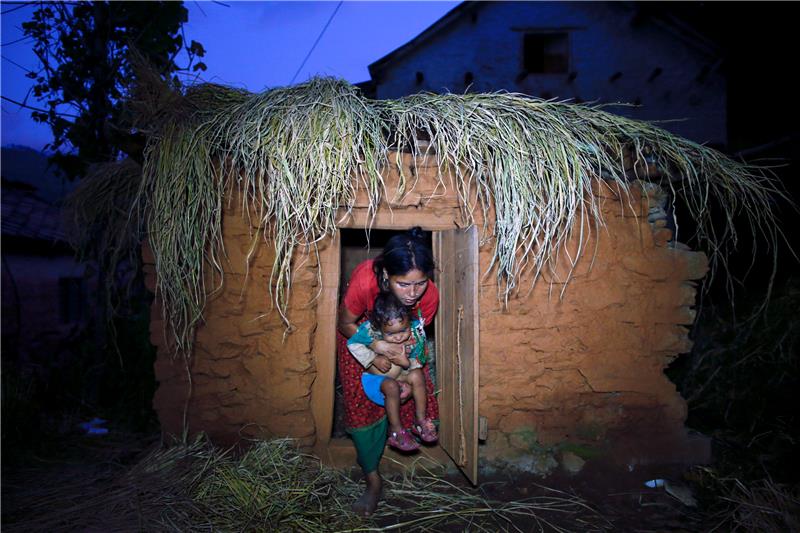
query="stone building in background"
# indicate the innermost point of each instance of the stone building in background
(604, 52)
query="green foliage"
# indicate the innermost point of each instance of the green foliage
(741, 383)
(87, 50)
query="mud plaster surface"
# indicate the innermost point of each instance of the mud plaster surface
(583, 368)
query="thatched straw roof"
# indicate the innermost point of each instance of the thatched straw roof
(301, 152)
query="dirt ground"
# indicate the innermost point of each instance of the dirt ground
(58, 480)
(61, 476)
(619, 497)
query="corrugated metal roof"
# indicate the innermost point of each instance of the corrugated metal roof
(27, 216)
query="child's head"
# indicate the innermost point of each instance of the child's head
(391, 317)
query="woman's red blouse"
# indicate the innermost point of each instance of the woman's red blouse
(363, 289)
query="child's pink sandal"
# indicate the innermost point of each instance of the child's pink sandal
(425, 430)
(405, 391)
(402, 440)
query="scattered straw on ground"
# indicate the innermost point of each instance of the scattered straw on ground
(757, 506)
(273, 487)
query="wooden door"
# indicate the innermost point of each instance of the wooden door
(324, 350)
(457, 357)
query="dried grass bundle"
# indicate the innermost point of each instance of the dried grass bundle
(299, 154)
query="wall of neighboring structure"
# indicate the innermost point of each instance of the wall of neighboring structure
(33, 322)
(584, 368)
(603, 42)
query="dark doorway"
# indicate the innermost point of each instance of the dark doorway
(356, 246)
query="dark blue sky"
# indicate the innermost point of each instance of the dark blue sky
(254, 45)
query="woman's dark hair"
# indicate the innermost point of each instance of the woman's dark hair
(402, 254)
(387, 308)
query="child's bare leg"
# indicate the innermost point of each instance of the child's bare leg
(423, 427)
(417, 380)
(391, 393)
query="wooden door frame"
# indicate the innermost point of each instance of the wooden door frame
(324, 337)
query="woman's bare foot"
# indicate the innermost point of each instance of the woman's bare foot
(368, 501)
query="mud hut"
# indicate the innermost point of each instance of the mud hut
(564, 290)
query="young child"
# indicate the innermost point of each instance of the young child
(391, 321)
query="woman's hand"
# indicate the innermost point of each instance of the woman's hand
(382, 363)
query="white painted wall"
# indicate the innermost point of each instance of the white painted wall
(602, 42)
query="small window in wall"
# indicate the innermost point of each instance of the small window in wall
(71, 299)
(546, 53)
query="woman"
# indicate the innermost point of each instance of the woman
(404, 269)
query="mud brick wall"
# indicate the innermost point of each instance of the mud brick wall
(247, 380)
(584, 367)
(588, 367)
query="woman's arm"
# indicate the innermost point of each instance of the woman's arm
(348, 327)
(347, 322)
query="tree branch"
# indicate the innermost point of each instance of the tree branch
(40, 110)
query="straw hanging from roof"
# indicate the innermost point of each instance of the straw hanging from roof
(299, 153)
